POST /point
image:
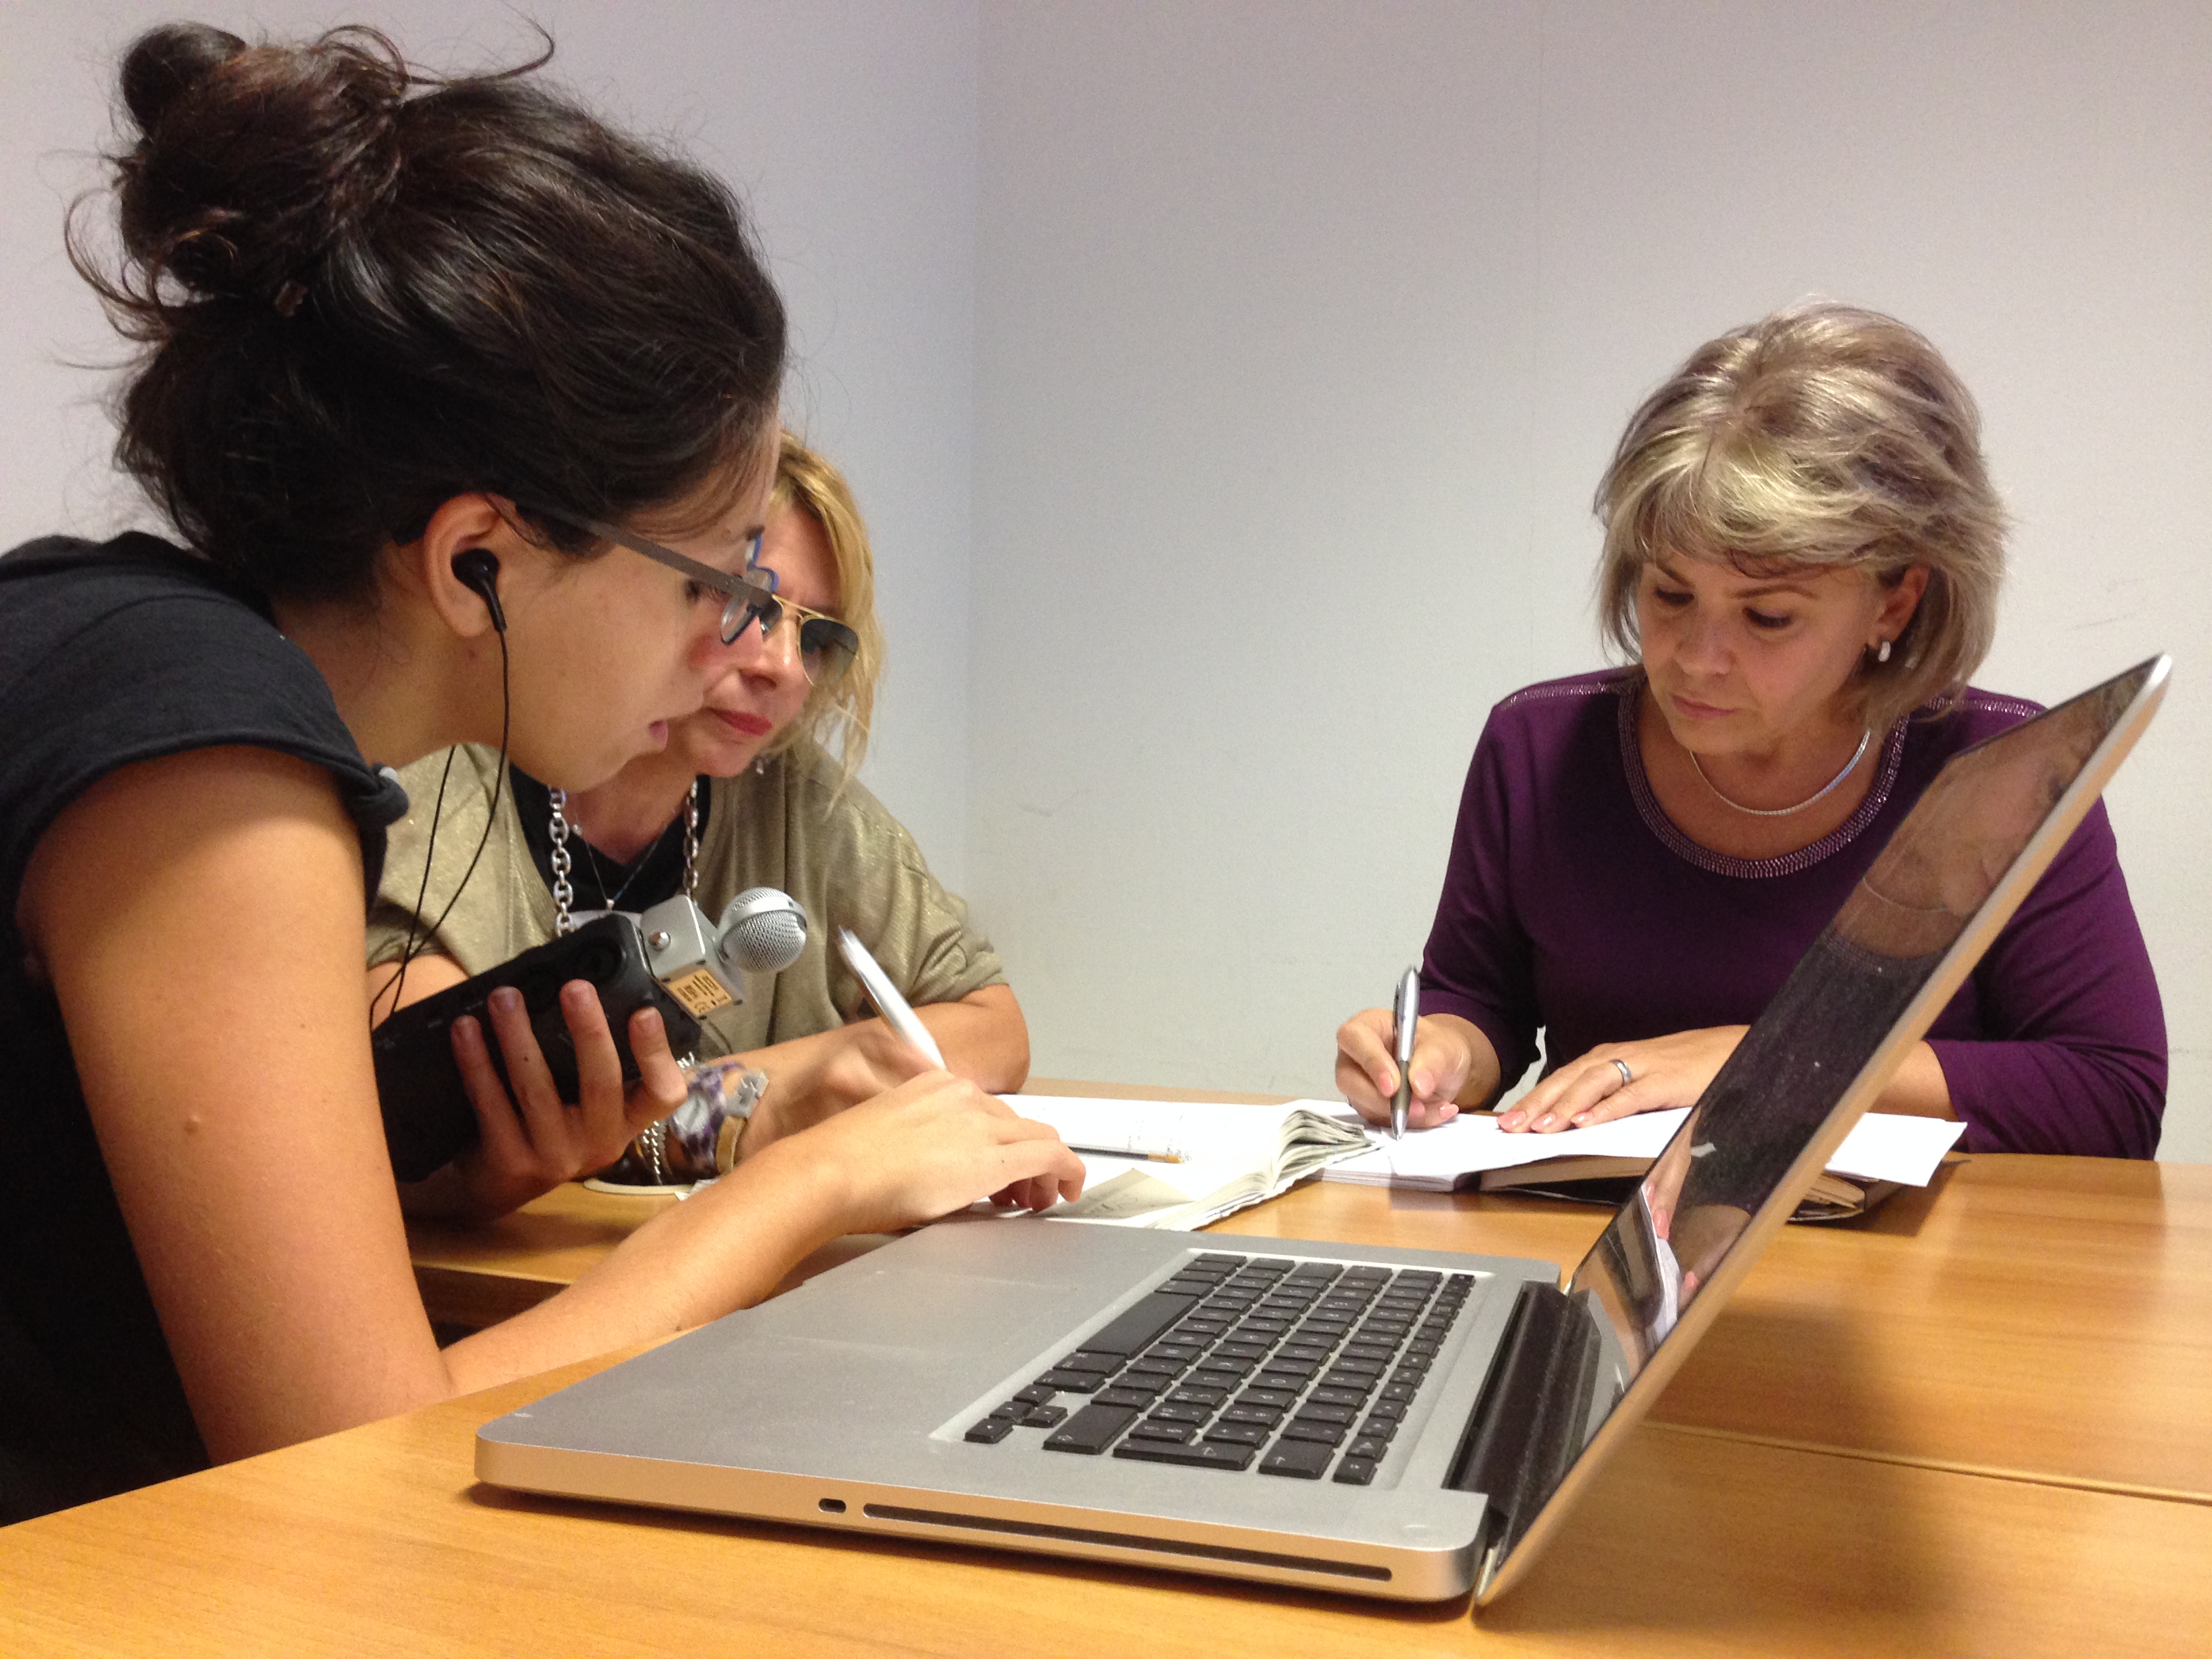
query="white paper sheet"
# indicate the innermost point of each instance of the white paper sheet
(1881, 1146)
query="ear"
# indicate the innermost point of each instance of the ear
(1899, 599)
(426, 564)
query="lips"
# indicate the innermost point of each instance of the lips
(744, 723)
(1696, 711)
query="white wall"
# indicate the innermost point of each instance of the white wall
(849, 127)
(1281, 346)
(1303, 334)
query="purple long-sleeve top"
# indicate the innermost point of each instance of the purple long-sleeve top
(1573, 905)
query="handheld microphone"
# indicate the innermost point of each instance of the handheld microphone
(763, 931)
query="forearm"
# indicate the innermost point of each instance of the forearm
(983, 1037)
(1919, 1089)
(724, 1248)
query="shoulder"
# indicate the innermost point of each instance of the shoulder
(1567, 723)
(132, 651)
(1552, 712)
(827, 804)
(1940, 733)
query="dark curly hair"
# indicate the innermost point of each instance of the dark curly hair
(361, 290)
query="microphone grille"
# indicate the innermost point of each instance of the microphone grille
(763, 931)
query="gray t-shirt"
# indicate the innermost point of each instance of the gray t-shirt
(784, 824)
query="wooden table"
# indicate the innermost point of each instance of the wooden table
(2025, 1317)
(2043, 1320)
(378, 1541)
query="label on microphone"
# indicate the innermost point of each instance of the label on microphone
(699, 991)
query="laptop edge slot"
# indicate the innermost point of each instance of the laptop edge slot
(1125, 1542)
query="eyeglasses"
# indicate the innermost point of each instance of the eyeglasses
(826, 646)
(750, 592)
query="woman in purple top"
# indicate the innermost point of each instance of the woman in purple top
(1803, 552)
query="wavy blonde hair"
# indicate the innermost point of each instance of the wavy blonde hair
(1822, 435)
(837, 715)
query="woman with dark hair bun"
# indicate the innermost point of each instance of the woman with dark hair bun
(464, 408)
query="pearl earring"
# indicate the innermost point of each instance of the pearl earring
(1882, 655)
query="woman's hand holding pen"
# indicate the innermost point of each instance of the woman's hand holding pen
(1448, 1053)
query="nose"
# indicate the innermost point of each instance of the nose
(1701, 645)
(779, 649)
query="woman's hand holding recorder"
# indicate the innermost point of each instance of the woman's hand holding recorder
(532, 1141)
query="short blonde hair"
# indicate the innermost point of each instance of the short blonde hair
(807, 483)
(1822, 435)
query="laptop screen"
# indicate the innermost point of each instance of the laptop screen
(1873, 982)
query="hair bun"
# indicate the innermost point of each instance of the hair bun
(254, 161)
(168, 61)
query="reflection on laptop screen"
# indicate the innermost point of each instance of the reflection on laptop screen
(1874, 979)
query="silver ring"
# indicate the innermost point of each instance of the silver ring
(1627, 1077)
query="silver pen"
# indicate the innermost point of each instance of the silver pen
(898, 1014)
(1406, 1015)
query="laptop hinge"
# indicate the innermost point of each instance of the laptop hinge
(1528, 1422)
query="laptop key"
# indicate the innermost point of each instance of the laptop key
(990, 1431)
(1301, 1460)
(1313, 1412)
(1133, 1329)
(1118, 1395)
(1091, 1430)
(1200, 1394)
(1153, 1429)
(1198, 1454)
(1367, 1446)
(1258, 1416)
(1278, 1397)
(1238, 1434)
(1084, 1360)
(1035, 1394)
(1385, 1411)
(1327, 1434)
(1044, 1416)
(1355, 1471)
(1175, 1414)
(1071, 1382)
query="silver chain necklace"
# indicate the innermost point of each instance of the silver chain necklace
(1819, 795)
(564, 894)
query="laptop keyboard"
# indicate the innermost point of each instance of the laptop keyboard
(1295, 1366)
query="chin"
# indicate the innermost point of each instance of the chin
(720, 760)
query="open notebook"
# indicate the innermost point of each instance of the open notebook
(1183, 1163)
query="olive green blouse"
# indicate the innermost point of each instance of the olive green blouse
(784, 824)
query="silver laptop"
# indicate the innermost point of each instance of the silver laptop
(1390, 1423)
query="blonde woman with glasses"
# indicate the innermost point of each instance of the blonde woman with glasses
(756, 789)
(1802, 553)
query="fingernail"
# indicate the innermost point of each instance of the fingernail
(506, 999)
(650, 1019)
(1511, 1121)
(1582, 1117)
(1545, 1121)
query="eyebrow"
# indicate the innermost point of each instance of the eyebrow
(1759, 593)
